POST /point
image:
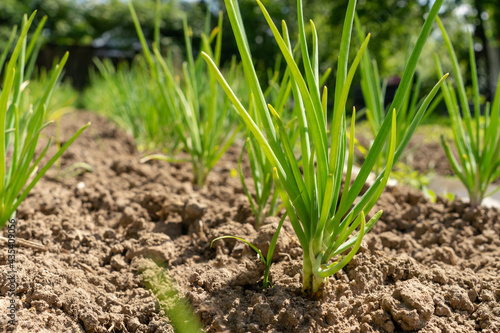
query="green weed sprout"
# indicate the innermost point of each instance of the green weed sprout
(267, 260)
(477, 142)
(20, 129)
(373, 89)
(198, 106)
(319, 210)
(177, 309)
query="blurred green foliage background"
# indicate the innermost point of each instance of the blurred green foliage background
(104, 28)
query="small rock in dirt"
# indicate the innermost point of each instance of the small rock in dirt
(295, 252)
(459, 299)
(239, 250)
(416, 295)
(445, 254)
(136, 227)
(383, 319)
(44, 293)
(412, 213)
(443, 310)
(122, 203)
(117, 248)
(132, 213)
(109, 233)
(66, 225)
(487, 295)
(264, 313)
(40, 305)
(162, 253)
(292, 317)
(193, 211)
(133, 324)
(439, 275)
(217, 325)
(487, 319)
(152, 200)
(331, 316)
(391, 240)
(266, 233)
(118, 262)
(411, 306)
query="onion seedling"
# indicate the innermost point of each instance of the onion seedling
(199, 107)
(267, 260)
(477, 142)
(323, 215)
(20, 129)
(130, 97)
(61, 101)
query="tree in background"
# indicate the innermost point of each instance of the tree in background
(80, 22)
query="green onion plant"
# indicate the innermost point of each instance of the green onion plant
(198, 105)
(129, 96)
(62, 101)
(20, 128)
(278, 93)
(323, 215)
(477, 142)
(265, 202)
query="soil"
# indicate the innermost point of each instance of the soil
(423, 268)
(427, 156)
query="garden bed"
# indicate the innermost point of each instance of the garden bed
(424, 267)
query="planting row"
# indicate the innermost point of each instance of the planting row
(300, 146)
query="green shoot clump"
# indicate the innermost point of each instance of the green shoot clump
(129, 96)
(323, 215)
(20, 128)
(477, 142)
(198, 107)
